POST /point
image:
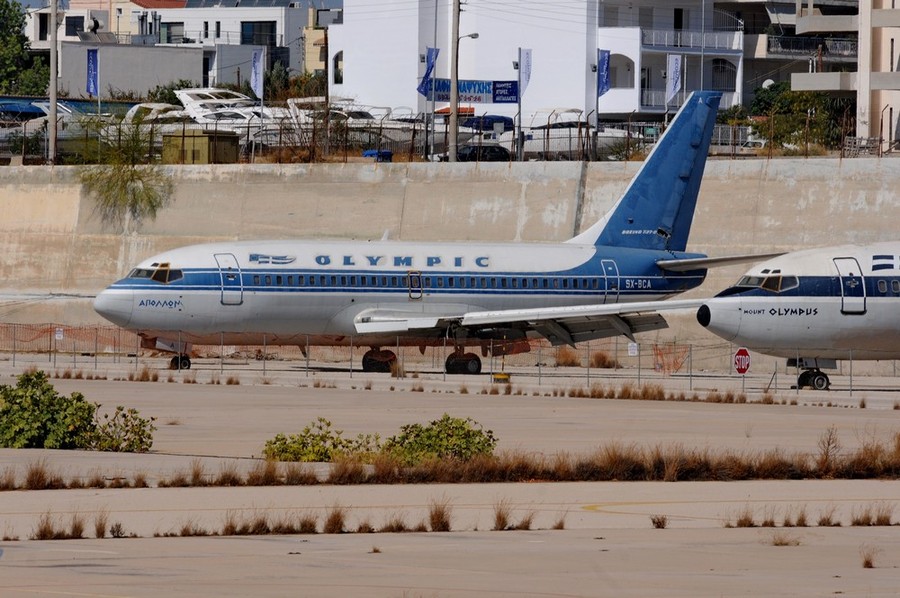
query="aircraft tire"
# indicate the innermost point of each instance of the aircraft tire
(378, 361)
(185, 362)
(819, 380)
(803, 379)
(471, 364)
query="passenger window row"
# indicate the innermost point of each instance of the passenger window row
(426, 282)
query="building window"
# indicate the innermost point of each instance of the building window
(724, 75)
(258, 33)
(74, 25)
(337, 68)
(205, 29)
(218, 29)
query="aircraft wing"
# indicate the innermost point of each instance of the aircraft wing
(560, 325)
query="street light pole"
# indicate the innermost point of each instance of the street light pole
(454, 85)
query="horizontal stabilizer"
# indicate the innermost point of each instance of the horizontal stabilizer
(702, 263)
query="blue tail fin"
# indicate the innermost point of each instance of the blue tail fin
(657, 208)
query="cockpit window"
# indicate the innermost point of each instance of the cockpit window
(158, 272)
(774, 282)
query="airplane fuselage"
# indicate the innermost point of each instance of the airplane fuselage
(297, 292)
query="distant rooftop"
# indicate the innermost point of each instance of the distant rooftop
(151, 4)
(244, 3)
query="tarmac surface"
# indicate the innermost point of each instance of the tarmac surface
(608, 546)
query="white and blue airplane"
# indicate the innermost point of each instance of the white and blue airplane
(815, 307)
(493, 296)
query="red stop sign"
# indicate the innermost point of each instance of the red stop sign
(742, 361)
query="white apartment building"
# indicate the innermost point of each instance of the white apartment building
(384, 69)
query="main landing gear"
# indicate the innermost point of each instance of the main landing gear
(463, 363)
(180, 362)
(378, 360)
(816, 379)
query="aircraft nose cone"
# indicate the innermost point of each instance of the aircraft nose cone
(704, 315)
(115, 305)
(721, 316)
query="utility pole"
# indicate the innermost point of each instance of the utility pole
(51, 149)
(454, 85)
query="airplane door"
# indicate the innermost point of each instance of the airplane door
(611, 273)
(230, 277)
(414, 284)
(853, 288)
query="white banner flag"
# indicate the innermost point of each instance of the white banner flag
(673, 77)
(524, 69)
(256, 73)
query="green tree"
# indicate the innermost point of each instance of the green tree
(799, 117)
(20, 73)
(124, 183)
(14, 58)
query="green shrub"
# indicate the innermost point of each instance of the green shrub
(318, 442)
(446, 438)
(34, 415)
(124, 432)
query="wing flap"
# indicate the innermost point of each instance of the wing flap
(560, 325)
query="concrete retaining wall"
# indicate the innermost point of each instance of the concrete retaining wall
(51, 242)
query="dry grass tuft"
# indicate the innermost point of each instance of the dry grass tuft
(395, 524)
(826, 518)
(502, 512)
(232, 381)
(264, 473)
(375, 550)
(335, 520)
(601, 359)
(198, 473)
(566, 357)
(782, 538)
(299, 474)
(868, 553)
(439, 512)
(526, 521)
(101, 520)
(659, 521)
(39, 476)
(397, 370)
(8, 479)
(560, 523)
(745, 518)
(228, 475)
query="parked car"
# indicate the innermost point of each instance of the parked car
(483, 153)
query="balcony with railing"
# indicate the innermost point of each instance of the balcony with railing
(688, 39)
(795, 46)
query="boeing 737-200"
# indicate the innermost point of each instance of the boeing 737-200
(603, 282)
(814, 307)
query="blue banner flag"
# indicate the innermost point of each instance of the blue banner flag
(602, 72)
(93, 73)
(430, 59)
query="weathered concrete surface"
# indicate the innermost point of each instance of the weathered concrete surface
(607, 549)
(51, 241)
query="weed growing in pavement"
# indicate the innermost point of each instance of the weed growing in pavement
(659, 521)
(782, 538)
(868, 553)
(335, 520)
(439, 513)
(502, 513)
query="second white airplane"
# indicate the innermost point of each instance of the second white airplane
(492, 296)
(815, 307)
